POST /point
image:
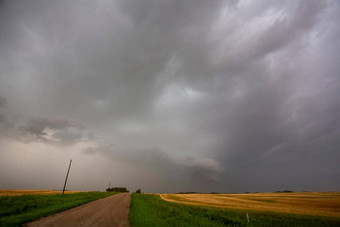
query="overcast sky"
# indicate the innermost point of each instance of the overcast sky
(169, 96)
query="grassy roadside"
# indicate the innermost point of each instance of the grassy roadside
(151, 210)
(16, 210)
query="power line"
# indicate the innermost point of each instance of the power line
(30, 152)
(20, 150)
(13, 137)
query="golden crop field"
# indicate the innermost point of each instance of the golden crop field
(14, 192)
(310, 203)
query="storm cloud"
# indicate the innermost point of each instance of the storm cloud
(172, 96)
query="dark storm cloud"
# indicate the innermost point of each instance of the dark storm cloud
(213, 96)
(6, 120)
(3, 103)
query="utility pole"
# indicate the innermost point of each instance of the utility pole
(110, 185)
(69, 166)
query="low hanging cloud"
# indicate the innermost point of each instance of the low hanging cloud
(197, 173)
(181, 174)
(51, 130)
(190, 95)
(36, 126)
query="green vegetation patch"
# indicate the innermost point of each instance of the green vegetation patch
(151, 210)
(16, 210)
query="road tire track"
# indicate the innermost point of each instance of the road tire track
(110, 211)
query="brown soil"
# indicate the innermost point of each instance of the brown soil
(110, 211)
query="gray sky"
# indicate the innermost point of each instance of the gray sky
(169, 96)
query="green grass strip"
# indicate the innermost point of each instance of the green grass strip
(151, 210)
(17, 210)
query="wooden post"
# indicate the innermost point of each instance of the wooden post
(69, 166)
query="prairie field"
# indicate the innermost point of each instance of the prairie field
(152, 210)
(306, 203)
(17, 192)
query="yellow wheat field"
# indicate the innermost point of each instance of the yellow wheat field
(310, 203)
(14, 192)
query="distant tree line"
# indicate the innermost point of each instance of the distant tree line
(117, 189)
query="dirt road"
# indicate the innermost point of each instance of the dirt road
(110, 211)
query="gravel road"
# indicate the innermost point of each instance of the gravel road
(110, 211)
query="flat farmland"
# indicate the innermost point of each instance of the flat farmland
(306, 203)
(17, 192)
